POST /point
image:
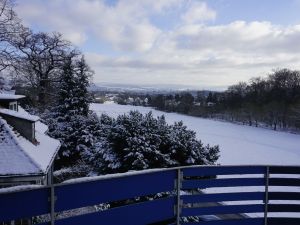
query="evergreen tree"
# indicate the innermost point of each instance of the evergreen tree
(83, 74)
(67, 101)
(136, 142)
(70, 121)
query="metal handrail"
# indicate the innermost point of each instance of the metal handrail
(176, 181)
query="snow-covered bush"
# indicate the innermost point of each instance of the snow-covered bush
(136, 141)
(76, 133)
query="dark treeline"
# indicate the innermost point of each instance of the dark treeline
(273, 101)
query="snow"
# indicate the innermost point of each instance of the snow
(44, 152)
(10, 96)
(39, 126)
(239, 145)
(13, 160)
(20, 115)
(115, 175)
(20, 156)
(19, 188)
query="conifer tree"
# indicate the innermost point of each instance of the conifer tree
(67, 91)
(83, 74)
(70, 122)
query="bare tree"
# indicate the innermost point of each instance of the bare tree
(40, 60)
(10, 29)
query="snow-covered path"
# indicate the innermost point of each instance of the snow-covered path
(238, 144)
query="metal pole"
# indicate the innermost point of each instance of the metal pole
(178, 188)
(267, 176)
(52, 205)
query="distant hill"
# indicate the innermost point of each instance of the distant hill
(154, 89)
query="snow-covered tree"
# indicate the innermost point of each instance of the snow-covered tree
(69, 121)
(136, 141)
(67, 101)
(83, 75)
(4, 84)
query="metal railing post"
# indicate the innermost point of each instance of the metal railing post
(178, 189)
(52, 202)
(267, 176)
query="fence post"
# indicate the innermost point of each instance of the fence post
(52, 202)
(267, 175)
(178, 188)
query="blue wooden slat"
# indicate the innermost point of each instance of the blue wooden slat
(222, 209)
(284, 182)
(230, 182)
(136, 214)
(283, 221)
(284, 170)
(241, 196)
(24, 204)
(226, 170)
(283, 208)
(245, 221)
(94, 192)
(284, 195)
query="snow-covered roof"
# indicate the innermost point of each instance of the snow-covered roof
(5, 91)
(20, 115)
(13, 160)
(19, 156)
(10, 96)
(39, 126)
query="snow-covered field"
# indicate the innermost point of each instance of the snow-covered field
(239, 145)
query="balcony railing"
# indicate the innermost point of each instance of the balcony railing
(205, 195)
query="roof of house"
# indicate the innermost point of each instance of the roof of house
(20, 157)
(13, 159)
(21, 115)
(4, 96)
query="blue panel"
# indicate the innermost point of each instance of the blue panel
(223, 170)
(283, 208)
(90, 193)
(246, 221)
(284, 170)
(284, 196)
(283, 221)
(223, 209)
(231, 182)
(136, 214)
(17, 205)
(284, 182)
(223, 197)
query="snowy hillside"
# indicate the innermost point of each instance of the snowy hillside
(238, 144)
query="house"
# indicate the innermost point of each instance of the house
(27, 153)
(10, 101)
(210, 104)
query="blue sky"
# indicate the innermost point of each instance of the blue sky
(205, 44)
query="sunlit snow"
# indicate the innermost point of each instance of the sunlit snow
(239, 145)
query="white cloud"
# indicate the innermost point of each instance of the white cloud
(252, 38)
(198, 12)
(193, 52)
(125, 25)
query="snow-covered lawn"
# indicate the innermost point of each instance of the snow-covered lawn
(239, 145)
